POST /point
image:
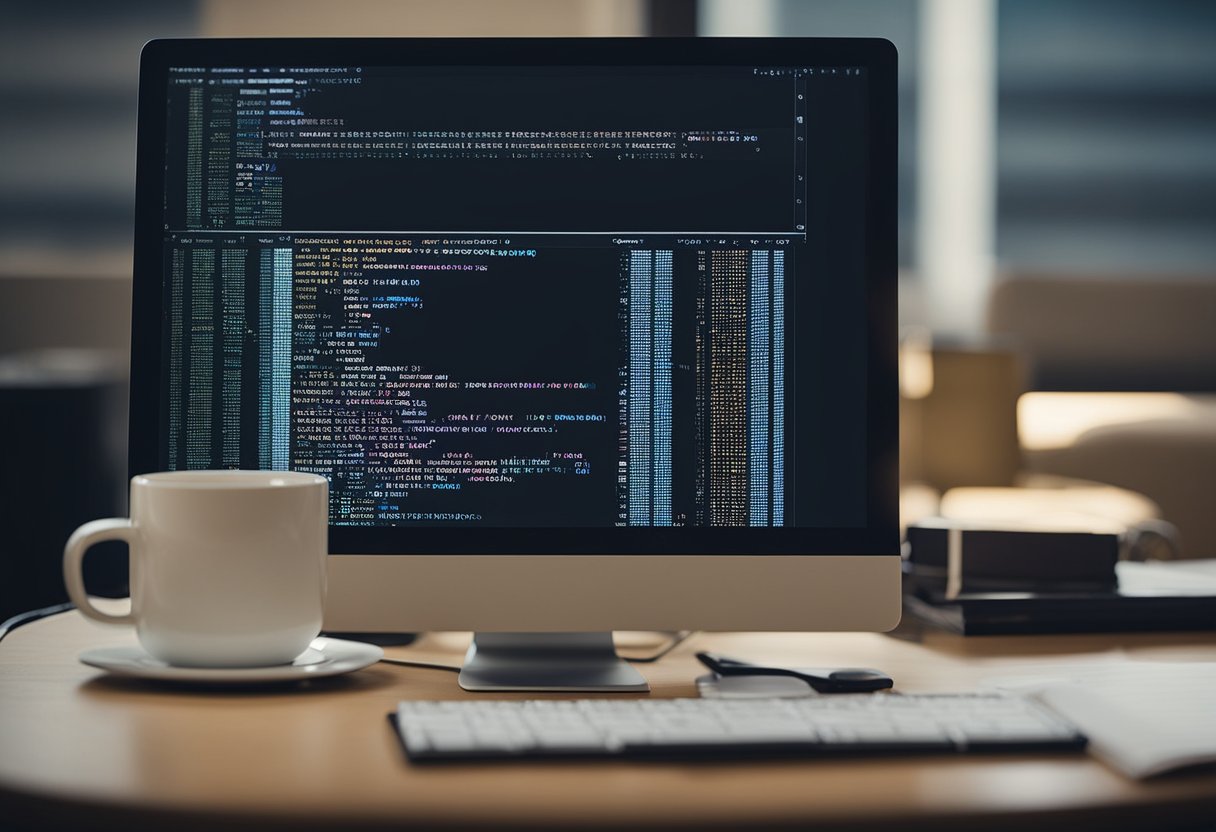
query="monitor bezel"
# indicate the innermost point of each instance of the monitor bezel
(879, 536)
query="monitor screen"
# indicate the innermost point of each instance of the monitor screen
(522, 296)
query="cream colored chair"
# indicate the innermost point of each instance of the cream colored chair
(1151, 340)
(961, 458)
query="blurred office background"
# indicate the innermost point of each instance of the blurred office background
(1057, 216)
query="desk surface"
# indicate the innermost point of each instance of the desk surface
(73, 740)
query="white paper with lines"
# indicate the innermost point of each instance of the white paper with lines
(1142, 718)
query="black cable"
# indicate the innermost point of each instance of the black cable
(33, 615)
(45, 612)
(423, 665)
(676, 640)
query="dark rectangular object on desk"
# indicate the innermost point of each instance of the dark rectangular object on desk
(56, 409)
(983, 614)
(1007, 560)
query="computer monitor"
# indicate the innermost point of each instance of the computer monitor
(587, 334)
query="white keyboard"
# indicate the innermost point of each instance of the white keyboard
(706, 728)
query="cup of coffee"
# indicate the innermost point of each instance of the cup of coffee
(227, 567)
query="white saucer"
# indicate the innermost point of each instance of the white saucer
(324, 657)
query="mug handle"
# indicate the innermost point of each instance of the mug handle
(96, 531)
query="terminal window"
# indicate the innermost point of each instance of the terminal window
(537, 296)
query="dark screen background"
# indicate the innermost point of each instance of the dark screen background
(798, 186)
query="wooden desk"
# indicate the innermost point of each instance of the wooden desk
(77, 745)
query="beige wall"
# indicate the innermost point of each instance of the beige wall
(423, 18)
(66, 312)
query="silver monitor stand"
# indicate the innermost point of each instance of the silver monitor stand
(548, 662)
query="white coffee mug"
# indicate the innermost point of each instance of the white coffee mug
(227, 567)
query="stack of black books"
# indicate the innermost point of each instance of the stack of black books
(1002, 583)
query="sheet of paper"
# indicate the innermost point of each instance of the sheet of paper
(1142, 718)
(1167, 578)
